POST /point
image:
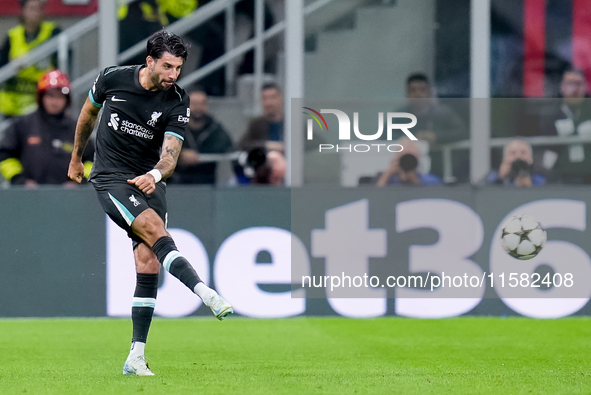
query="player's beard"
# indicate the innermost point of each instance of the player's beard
(155, 78)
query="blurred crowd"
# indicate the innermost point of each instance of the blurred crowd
(35, 148)
(518, 163)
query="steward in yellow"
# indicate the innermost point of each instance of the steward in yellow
(36, 148)
(19, 94)
(163, 12)
(141, 18)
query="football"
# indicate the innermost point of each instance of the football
(523, 237)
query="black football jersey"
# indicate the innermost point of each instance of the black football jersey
(134, 121)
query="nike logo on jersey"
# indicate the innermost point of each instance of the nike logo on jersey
(115, 99)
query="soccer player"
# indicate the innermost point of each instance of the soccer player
(144, 112)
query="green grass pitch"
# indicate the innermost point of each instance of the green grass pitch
(300, 356)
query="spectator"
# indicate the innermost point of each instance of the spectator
(211, 36)
(18, 95)
(571, 116)
(267, 130)
(403, 169)
(273, 172)
(140, 18)
(206, 136)
(260, 166)
(137, 20)
(36, 148)
(173, 10)
(516, 167)
(436, 124)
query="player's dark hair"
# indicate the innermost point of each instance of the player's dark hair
(418, 77)
(163, 41)
(271, 85)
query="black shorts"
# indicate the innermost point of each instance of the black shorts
(123, 202)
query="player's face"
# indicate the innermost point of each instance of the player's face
(54, 101)
(164, 71)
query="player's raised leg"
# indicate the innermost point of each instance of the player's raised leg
(150, 227)
(142, 310)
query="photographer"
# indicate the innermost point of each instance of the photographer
(259, 166)
(403, 169)
(515, 168)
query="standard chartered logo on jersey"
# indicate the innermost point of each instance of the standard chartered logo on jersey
(114, 121)
(129, 127)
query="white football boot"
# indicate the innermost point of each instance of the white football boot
(220, 307)
(137, 366)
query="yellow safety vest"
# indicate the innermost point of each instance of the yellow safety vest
(176, 8)
(18, 96)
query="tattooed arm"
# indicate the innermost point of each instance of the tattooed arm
(84, 128)
(171, 148)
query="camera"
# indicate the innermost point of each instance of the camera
(520, 168)
(252, 161)
(254, 166)
(408, 162)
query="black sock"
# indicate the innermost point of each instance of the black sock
(144, 301)
(175, 263)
